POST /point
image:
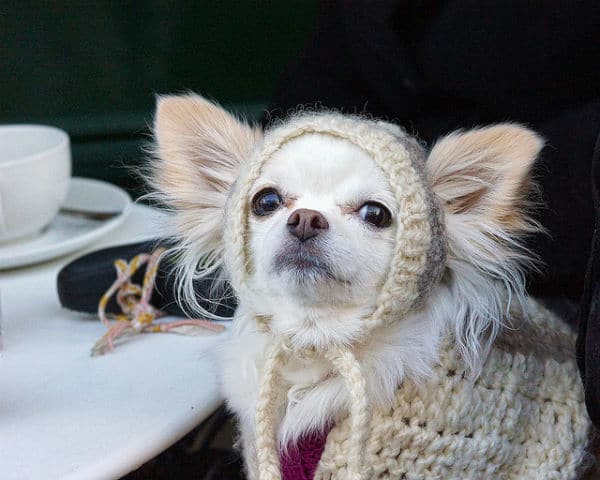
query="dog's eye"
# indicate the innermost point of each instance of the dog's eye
(266, 201)
(375, 214)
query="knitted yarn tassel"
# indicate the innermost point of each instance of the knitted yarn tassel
(269, 403)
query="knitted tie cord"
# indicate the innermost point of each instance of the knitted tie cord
(271, 395)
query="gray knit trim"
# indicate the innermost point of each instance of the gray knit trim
(437, 253)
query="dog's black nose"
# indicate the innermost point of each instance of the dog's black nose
(304, 223)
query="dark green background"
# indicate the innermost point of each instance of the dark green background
(93, 68)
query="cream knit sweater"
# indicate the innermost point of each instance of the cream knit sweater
(524, 418)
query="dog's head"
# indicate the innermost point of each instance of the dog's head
(316, 216)
(321, 222)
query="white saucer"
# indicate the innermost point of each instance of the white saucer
(68, 233)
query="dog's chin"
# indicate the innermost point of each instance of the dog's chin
(305, 275)
(304, 265)
(304, 272)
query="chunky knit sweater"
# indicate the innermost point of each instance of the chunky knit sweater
(524, 418)
(505, 425)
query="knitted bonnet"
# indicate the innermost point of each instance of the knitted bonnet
(416, 265)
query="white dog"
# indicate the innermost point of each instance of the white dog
(322, 214)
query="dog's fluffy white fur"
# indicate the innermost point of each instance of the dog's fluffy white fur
(480, 178)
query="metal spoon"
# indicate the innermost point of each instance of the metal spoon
(89, 214)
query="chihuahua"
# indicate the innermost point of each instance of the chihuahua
(344, 234)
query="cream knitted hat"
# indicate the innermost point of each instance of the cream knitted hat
(416, 266)
(419, 249)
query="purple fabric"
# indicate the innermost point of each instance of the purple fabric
(300, 461)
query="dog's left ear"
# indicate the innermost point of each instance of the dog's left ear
(482, 180)
(482, 175)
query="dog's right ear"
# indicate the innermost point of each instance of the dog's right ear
(198, 149)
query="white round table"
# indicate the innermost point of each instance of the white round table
(66, 415)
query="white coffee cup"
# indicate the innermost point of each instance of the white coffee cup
(35, 168)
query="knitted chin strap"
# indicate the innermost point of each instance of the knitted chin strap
(271, 397)
(398, 295)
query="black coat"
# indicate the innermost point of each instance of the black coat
(436, 66)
